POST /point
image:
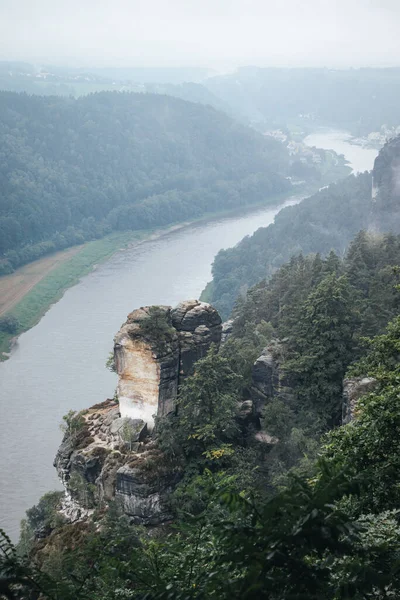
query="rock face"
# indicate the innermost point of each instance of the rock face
(353, 389)
(265, 376)
(227, 330)
(198, 325)
(143, 497)
(151, 367)
(268, 381)
(147, 370)
(107, 452)
(107, 459)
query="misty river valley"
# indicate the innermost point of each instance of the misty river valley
(60, 364)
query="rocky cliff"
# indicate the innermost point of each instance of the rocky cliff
(386, 188)
(269, 382)
(108, 452)
(353, 389)
(268, 379)
(155, 349)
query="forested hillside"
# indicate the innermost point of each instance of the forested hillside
(386, 188)
(361, 100)
(72, 169)
(322, 309)
(326, 221)
(289, 511)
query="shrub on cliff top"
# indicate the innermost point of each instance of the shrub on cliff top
(156, 328)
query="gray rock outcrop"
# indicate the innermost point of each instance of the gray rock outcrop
(108, 461)
(268, 380)
(198, 325)
(144, 496)
(353, 389)
(227, 330)
(107, 452)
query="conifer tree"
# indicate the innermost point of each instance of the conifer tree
(323, 341)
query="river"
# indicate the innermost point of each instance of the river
(60, 364)
(360, 159)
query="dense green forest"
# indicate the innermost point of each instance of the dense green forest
(328, 220)
(386, 193)
(312, 303)
(69, 160)
(75, 169)
(272, 495)
(311, 514)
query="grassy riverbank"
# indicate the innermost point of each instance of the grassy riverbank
(50, 288)
(30, 309)
(58, 272)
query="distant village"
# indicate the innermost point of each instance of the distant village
(376, 139)
(304, 153)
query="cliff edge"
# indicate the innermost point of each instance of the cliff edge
(108, 452)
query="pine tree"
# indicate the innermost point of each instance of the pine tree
(207, 405)
(322, 347)
(332, 263)
(359, 262)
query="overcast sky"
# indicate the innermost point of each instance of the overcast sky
(216, 33)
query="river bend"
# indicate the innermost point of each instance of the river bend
(60, 364)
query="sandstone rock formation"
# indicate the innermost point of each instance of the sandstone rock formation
(107, 452)
(151, 367)
(265, 377)
(147, 368)
(106, 460)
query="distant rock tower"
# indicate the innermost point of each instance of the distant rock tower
(155, 349)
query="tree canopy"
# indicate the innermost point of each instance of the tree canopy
(73, 169)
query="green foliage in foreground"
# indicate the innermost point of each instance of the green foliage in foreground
(257, 521)
(335, 536)
(299, 544)
(370, 446)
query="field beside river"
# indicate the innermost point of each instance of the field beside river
(31, 290)
(15, 286)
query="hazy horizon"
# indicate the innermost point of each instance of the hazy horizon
(183, 33)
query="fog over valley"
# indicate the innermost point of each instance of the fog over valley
(199, 300)
(220, 35)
